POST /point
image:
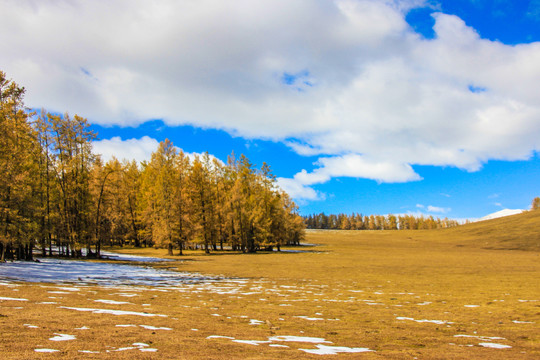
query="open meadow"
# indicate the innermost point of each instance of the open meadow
(443, 294)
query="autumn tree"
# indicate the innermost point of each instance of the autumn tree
(535, 203)
(18, 168)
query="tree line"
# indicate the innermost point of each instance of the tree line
(59, 196)
(356, 221)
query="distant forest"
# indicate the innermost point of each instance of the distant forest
(57, 195)
(376, 222)
(357, 221)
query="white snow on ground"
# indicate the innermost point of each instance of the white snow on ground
(439, 322)
(69, 288)
(482, 338)
(333, 350)
(292, 338)
(309, 318)
(31, 326)
(255, 322)
(252, 342)
(522, 322)
(12, 299)
(320, 350)
(88, 352)
(112, 302)
(122, 349)
(90, 273)
(46, 350)
(150, 327)
(128, 257)
(471, 306)
(140, 344)
(501, 213)
(62, 337)
(113, 312)
(127, 325)
(495, 346)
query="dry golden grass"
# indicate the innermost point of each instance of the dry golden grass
(368, 288)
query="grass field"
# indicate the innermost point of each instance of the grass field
(465, 293)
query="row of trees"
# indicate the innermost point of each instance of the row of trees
(376, 222)
(178, 201)
(56, 193)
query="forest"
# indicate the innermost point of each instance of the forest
(356, 221)
(57, 196)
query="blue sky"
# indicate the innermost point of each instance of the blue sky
(370, 106)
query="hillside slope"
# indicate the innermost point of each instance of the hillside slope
(516, 232)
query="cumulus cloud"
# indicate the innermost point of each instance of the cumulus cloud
(347, 80)
(130, 149)
(297, 190)
(437, 209)
(135, 149)
(433, 209)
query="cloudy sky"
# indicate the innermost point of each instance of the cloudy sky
(371, 106)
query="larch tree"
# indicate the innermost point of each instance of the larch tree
(18, 180)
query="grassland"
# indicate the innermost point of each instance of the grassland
(445, 294)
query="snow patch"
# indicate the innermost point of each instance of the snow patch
(291, 338)
(479, 337)
(12, 299)
(501, 213)
(149, 327)
(251, 342)
(112, 302)
(439, 322)
(495, 346)
(62, 337)
(46, 350)
(333, 350)
(113, 312)
(309, 318)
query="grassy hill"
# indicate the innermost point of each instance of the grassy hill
(516, 232)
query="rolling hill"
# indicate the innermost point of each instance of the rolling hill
(515, 232)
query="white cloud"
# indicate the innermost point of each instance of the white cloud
(297, 190)
(350, 165)
(437, 209)
(433, 209)
(130, 149)
(380, 98)
(135, 149)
